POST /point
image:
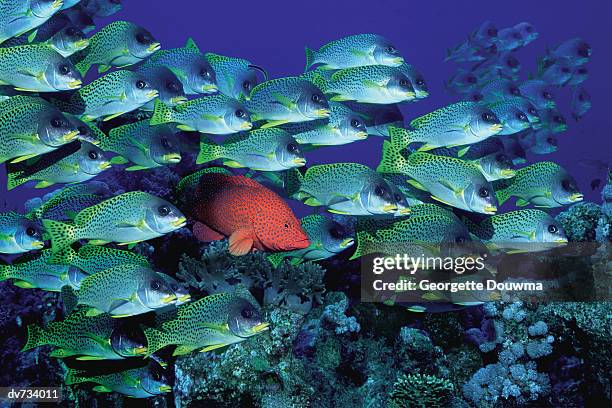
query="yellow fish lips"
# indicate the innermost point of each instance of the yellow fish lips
(347, 243)
(490, 209)
(70, 136)
(105, 165)
(172, 158)
(169, 299)
(397, 61)
(84, 43)
(361, 135)
(165, 388)
(323, 113)
(299, 161)
(260, 328)
(38, 244)
(179, 223)
(390, 208)
(210, 88)
(184, 298)
(405, 211)
(508, 173)
(177, 100)
(422, 94)
(410, 94)
(152, 94)
(246, 126)
(574, 198)
(57, 4)
(75, 84)
(561, 241)
(497, 127)
(139, 351)
(154, 47)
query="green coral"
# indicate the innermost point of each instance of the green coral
(420, 390)
(580, 221)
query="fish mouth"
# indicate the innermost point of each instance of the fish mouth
(490, 209)
(139, 350)
(397, 61)
(165, 388)
(68, 137)
(347, 243)
(422, 94)
(38, 244)
(497, 127)
(154, 47)
(574, 198)
(322, 113)
(260, 327)
(181, 222)
(75, 84)
(84, 43)
(210, 88)
(184, 298)
(390, 208)
(168, 299)
(177, 100)
(410, 95)
(152, 94)
(172, 158)
(405, 211)
(105, 165)
(246, 126)
(300, 161)
(57, 4)
(361, 135)
(508, 173)
(561, 241)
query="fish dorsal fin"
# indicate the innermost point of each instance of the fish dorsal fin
(191, 45)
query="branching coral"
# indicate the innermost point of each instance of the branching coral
(418, 390)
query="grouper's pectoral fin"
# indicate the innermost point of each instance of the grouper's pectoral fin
(240, 242)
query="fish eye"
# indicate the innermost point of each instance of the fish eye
(547, 95)
(397, 197)
(470, 79)
(552, 141)
(515, 91)
(582, 71)
(204, 73)
(581, 97)
(521, 116)
(56, 123)
(492, 32)
(163, 210)
(166, 143)
(93, 155)
(156, 375)
(512, 62)
(140, 84)
(287, 225)
(247, 313)
(72, 31)
(488, 117)
(584, 50)
(502, 158)
(64, 69)
(553, 229)
(483, 192)
(559, 119)
(336, 232)
(292, 147)
(391, 49)
(316, 98)
(143, 38)
(30, 232)
(379, 191)
(356, 123)
(529, 29)
(420, 81)
(567, 185)
(239, 113)
(115, 1)
(460, 239)
(246, 85)
(155, 285)
(404, 83)
(476, 96)
(565, 70)
(532, 111)
(172, 86)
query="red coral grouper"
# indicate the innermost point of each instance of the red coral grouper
(250, 214)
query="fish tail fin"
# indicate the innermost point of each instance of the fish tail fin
(310, 58)
(15, 179)
(65, 256)
(36, 337)
(69, 298)
(275, 259)
(5, 272)
(293, 181)
(61, 234)
(320, 82)
(209, 151)
(392, 160)
(503, 190)
(156, 340)
(161, 114)
(83, 66)
(361, 238)
(75, 377)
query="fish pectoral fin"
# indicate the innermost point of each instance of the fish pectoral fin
(62, 353)
(206, 234)
(182, 350)
(101, 388)
(90, 358)
(25, 89)
(103, 68)
(113, 116)
(44, 184)
(97, 242)
(283, 100)
(93, 312)
(370, 84)
(416, 184)
(440, 200)
(313, 202)
(516, 251)
(273, 123)
(448, 185)
(339, 98)
(521, 202)
(233, 164)
(98, 339)
(136, 168)
(23, 285)
(338, 212)
(212, 118)
(463, 151)
(241, 242)
(186, 128)
(140, 224)
(530, 235)
(426, 147)
(178, 72)
(119, 160)
(212, 347)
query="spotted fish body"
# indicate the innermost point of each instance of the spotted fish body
(450, 180)
(270, 149)
(378, 118)
(118, 44)
(167, 84)
(353, 51)
(19, 17)
(18, 234)
(87, 338)
(208, 324)
(127, 218)
(144, 145)
(327, 239)
(539, 93)
(413, 235)
(236, 77)
(113, 94)
(30, 127)
(37, 273)
(251, 215)
(460, 123)
(523, 231)
(543, 184)
(513, 119)
(69, 201)
(498, 89)
(343, 126)
(215, 114)
(83, 165)
(369, 84)
(93, 258)
(416, 79)
(37, 68)
(344, 188)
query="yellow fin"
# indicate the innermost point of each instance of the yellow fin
(213, 347)
(416, 184)
(440, 200)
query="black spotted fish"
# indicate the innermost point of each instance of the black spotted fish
(236, 77)
(19, 234)
(19, 17)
